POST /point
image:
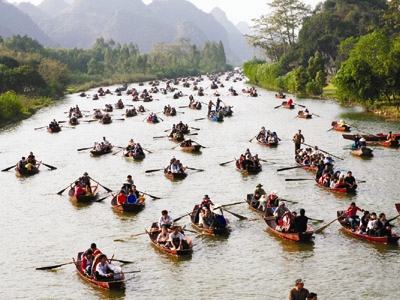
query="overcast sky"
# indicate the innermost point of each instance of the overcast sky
(237, 10)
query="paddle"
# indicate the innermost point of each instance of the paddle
(227, 162)
(316, 115)
(278, 106)
(152, 171)
(300, 105)
(327, 225)
(63, 190)
(323, 151)
(200, 119)
(194, 169)
(104, 187)
(40, 127)
(192, 134)
(299, 179)
(130, 272)
(90, 121)
(181, 217)
(289, 201)
(49, 166)
(115, 153)
(126, 262)
(194, 128)
(397, 205)
(101, 199)
(151, 196)
(289, 168)
(240, 217)
(8, 169)
(160, 137)
(119, 119)
(316, 220)
(130, 237)
(54, 266)
(82, 149)
(251, 140)
(183, 106)
(227, 205)
(67, 126)
(147, 150)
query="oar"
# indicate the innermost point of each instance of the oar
(115, 153)
(68, 127)
(130, 237)
(82, 149)
(230, 204)
(227, 162)
(298, 179)
(63, 190)
(324, 151)
(152, 171)
(183, 106)
(40, 127)
(194, 128)
(278, 106)
(126, 262)
(327, 225)
(89, 121)
(289, 168)
(49, 166)
(289, 201)
(194, 169)
(200, 119)
(151, 196)
(101, 199)
(240, 217)
(316, 115)
(192, 134)
(300, 105)
(316, 220)
(147, 150)
(55, 266)
(181, 217)
(104, 187)
(160, 137)
(119, 119)
(130, 272)
(252, 139)
(8, 169)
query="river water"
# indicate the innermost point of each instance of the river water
(40, 228)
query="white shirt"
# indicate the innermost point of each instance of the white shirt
(167, 220)
(174, 168)
(103, 270)
(178, 235)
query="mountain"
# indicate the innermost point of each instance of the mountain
(243, 27)
(33, 11)
(53, 7)
(80, 23)
(13, 21)
(235, 37)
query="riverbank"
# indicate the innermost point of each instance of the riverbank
(14, 108)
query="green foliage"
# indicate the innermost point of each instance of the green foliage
(10, 106)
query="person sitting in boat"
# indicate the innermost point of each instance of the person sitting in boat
(218, 104)
(390, 137)
(85, 182)
(382, 226)
(274, 138)
(87, 262)
(279, 212)
(206, 202)
(131, 145)
(79, 190)
(325, 179)
(206, 218)
(290, 102)
(133, 196)
(300, 222)
(261, 134)
(174, 167)
(21, 164)
(272, 200)
(163, 236)
(121, 198)
(259, 191)
(372, 224)
(31, 159)
(364, 222)
(210, 105)
(176, 239)
(165, 219)
(286, 222)
(363, 142)
(187, 143)
(350, 181)
(351, 214)
(106, 271)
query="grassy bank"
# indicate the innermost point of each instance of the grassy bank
(15, 107)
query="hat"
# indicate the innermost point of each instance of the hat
(299, 281)
(259, 185)
(206, 197)
(86, 173)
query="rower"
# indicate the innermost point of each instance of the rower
(210, 105)
(390, 137)
(300, 222)
(165, 219)
(121, 198)
(163, 236)
(382, 226)
(290, 102)
(131, 144)
(87, 261)
(280, 212)
(133, 196)
(350, 180)
(206, 202)
(206, 217)
(351, 214)
(259, 191)
(176, 239)
(21, 164)
(31, 158)
(298, 139)
(261, 134)
(106, 271)
(299, 292)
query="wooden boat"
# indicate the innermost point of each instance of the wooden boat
(196, 106)
(171, 113)
(129, 113)
(25, 172)
(128, 208)
(250, 170)
(177, 137)
(389, 144)
(106, 120)
(286, 105)
(291, 236)
(269, 143)
(134, 156)
(216, 117)
(85, 198)
(119, 105)
(249, 199)
(151, 121)
(73, 121)
(280, 96)
(303, 115)
(337, 127)
(105, 150)
(108, 285)
(211, 231)
(345, 190)
(362, 152)
(191, 149)
(369, 238)
(175, 176)
(153, 234)
(53, 129)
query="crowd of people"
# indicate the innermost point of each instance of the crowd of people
(54, 126)
(103, 146)
(134, 149)
(128, 193)
(75, 112)
(267, 137)
(247, 161)
(370, 223)
(27, 164)
(82, 186)
(179, 128)
(169, 110)
(204, 216)
(175, 167)
(153, 118)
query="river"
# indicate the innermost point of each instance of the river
(40, 228)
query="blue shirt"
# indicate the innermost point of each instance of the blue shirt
(131, 199)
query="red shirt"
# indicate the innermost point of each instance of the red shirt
(352, 211)
(79, 191)
(121, 198)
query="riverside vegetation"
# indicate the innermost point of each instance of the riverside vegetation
(344, 49)
(32, 75)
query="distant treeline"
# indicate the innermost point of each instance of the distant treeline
(27, 68)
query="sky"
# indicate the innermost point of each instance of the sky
(236, 10)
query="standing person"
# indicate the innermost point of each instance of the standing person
(300, 222)
(298, 138)
(165, 219)
(351, 214)
(210, 105)
(299, 292)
